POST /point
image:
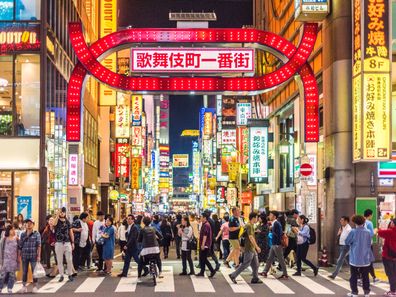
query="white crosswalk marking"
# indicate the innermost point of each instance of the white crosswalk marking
(276, 286)
(167, 283)
(202, 284)
(15, 289)
(310, 284)
(90, 285)
(53, 286)
(241, 286)
(127, 284)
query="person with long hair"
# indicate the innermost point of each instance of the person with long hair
(389, 255)
(224, 235)
(9, 258)
(303, 245)
(262, 232)
(166, 231)
(108, 245)
(186, 234)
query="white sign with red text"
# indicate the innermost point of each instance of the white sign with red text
(193, 60)
(73, 169)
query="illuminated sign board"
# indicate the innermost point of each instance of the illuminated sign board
(192, 60)
(122, 160)
(311, 10)
(387, 169)
(180, 160)
(228, 137)
(258, 154)
(73, 170)
(208, 125)
(190, 133)
(137, 110)
(108, 25)
(19, 37)
(122, 117)
(136, 136)
(243, 144)
(136, 173)
(244, 112)
(371, 80)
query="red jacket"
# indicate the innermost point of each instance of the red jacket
(390, 241)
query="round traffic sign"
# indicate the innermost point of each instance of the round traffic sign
(306, 169)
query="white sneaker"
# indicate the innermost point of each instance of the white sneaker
(9, 291)
(139, 281)
(23, 290)
(351, 295)
(34, 290)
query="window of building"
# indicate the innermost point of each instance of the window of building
(6, 95)
(23, 10)
(286, 153)
(90, 139)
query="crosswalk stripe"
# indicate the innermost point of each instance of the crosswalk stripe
(202, 284)
(311, 285)
(15, 289)
(276, 286)
(90, 285)
(241, 286)
(53, 286)
(127, 284)
(382, 286)
(167, 283)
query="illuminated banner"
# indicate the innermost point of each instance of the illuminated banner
(122, 117)
(164, 119)
(73, 170)
(108, 25)
(371, 81)
(180, 160)
(243, 144)
(136, 136)
(137, 110)
(208, 125)
(228, 137)
(123, 65)
(311, 10)
(136, 173)
(244, 112)
(387, 169)
(258, 153)
(220, 194)
(190, 133)
(228, 111)
(204, 60)
(15, 37)
(122, 160)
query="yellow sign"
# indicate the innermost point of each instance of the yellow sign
(113, 195)
(208, 121)
(190, 133)
(357, 117)
(122, 116)
(108, 25)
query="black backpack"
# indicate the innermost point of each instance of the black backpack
(312, 235)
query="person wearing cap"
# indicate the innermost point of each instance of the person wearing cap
(30, 247)
(64, 244)
(97, 231)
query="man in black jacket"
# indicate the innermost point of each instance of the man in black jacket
(131, 248)
(175, 229)
(212, 251)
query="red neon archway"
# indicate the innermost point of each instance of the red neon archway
(297, 63)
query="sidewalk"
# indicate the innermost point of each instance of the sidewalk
(380, 272)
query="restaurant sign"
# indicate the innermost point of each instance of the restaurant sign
(258, 151)
(19, 37)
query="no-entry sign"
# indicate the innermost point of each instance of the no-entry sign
(306, 169)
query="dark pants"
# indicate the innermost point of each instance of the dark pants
(99, 248)
(226, 248)
(178, 244)
(302, 251)
(203, 260)
(291, 247)
(85, 254)
(390, 270)
(355, 272)
(46, 254)
(127, 260)
(144, 261)
(186, 256)
(25, 267)
(213, 255)
(76, 256)
(166, 250)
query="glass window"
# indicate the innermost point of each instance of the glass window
(27, 10)
(6, 82)
(27, 95)
(26, 193)
(6, 10)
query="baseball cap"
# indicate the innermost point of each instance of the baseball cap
(29, 220)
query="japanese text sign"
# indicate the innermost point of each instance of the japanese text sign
(136, 169)
(244, 112)
(122, 121)
(192, 60)
(228, 137)
(137, 110)
(73, 169)
(137, 136)
(180, 161)
(122, 160)
(258, 154)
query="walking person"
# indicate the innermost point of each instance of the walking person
(64, 244)
(389, 255)
(234, 228)
(368, 215)
(194, 225)
(342, 234)
(166, 231)
(360, 256)
(250, 257)
(276, 247)
(303, 235)
(186, 234)
(48, 237)
(97, 231)
(10, 258)
(212, 252)
(291, 222)
(109, 244)
(77, 229)
(175, 227)
(30, 249)
(122, 240)
(205, 241)
(45, 246)
(224, 235)
(84, 245)
(262, 231)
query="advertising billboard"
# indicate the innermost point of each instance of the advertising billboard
(258, 154)
(180, 160)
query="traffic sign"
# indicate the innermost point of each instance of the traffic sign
(306, 169)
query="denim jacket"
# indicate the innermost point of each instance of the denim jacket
(359, 240)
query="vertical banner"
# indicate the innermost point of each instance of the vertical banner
(242, 134)
(228, 111)
(122, 158)
(108, 25)
(73, 170)
(122, 116)
(208, 125)
(258, 151)
(136, 173)
(24, 206)
(164, 119)
(371, 81)
(244, 112)
(137, 110)
(136, 136)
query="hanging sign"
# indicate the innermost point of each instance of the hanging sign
(228, 137)
(243, 144)
(208, 124)
(122, 160)
(244, 112)
(73, 170)
(258, 151)
(136, 168)
(136, 136)
(180, 161)
(137, 110)
(122, 117)
(311, 10)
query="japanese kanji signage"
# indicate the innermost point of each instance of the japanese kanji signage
(180, 160)
(136, 173)
(244, 112)
(243, 144)
(137, 110)
(208, 125)
(164, 119)
(122, 160)
(228, 111)
(311, 10)
(122, 117)
(192, 60)
(228, 137)
(136, 136)
(73, 169)
(371, 80)
(258, 153)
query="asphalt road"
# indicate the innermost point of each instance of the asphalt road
(174, 285)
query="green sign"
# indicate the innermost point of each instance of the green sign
(363, 203)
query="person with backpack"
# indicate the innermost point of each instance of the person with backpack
(166, 231)
(305, 237)
(389, 255)
(250, 257)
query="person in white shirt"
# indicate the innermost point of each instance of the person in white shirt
(85, 241)
(97, 231)
(343, 232)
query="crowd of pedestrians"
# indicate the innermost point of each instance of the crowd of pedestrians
(272, 240)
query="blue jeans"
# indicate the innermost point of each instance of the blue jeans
(344, 251)
(9, 277)
(25, 267)
(127, 260)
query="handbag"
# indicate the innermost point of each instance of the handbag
(100, 241)
(39, 271)
(192, 244)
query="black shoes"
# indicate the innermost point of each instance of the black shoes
(297, 274)
(233, 279)
(200, 274)
(256, 281)
(121, 275)
(217, 266)
(212, 274)
(61, 279)
(146, 272)
(71, 278)
(316, 271)
(183, 273)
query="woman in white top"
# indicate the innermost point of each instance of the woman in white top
(122, 240)
(186, 233)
